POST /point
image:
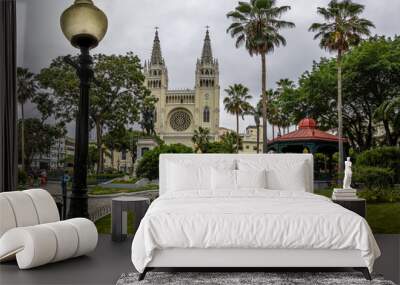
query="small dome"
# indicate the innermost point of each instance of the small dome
(307, 123)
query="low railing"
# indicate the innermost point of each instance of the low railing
(100, 213)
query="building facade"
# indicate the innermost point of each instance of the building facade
(57, 156)
(119, 160)
(179, 112)
(250, 140)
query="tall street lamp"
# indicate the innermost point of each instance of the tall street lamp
(84, 25)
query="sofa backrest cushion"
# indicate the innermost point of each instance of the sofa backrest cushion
(231, 161)
(26, 208)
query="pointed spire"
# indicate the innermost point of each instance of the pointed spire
(156, 57)
(206, 54)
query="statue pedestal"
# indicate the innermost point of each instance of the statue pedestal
(344, 194)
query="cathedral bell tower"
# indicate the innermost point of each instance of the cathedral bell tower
(207, 89)
(179, 112)
(156, 79)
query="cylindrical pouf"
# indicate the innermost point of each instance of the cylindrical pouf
(7, 218)
(23, 208)
(67, 240)
(87, 235)
(45, 205)
(34, 246)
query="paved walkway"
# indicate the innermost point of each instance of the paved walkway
(54, 187)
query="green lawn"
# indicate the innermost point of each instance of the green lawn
(129, 181)
(104, 224)
(97, 190)
(383, 218)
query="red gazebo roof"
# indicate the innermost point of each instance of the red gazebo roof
(307, 131)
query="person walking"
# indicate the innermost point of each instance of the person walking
(44, 177)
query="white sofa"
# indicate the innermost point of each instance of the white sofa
(31, 231)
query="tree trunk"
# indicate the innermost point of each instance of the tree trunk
(58, 153)
(264, 100)
(258, 138)
(273, 131)
(237, 132)
(112, 157)
(340, 116)
(389, 140)
(370, 136)
(99, 136)
(22, 137)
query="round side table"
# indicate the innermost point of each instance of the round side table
(120, 207)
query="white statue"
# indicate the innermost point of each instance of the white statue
(347, 174)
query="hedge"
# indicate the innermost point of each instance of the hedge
(148, 164)
(383, 157)
(374, 177)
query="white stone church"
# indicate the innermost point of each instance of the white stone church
(180, 112)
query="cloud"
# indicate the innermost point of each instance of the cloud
(182, 26)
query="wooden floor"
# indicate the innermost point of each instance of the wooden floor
(110, 260)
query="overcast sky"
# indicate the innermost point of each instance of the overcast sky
(182, 29)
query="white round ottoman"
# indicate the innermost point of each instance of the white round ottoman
(31, 232)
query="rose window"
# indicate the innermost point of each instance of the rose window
(180, 120)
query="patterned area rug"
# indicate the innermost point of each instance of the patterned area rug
(244, 278)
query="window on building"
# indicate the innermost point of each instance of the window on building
(155, 116)
(206, 115)
(143, 150)
(123, 154)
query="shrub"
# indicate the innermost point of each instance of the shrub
(374, 177)
(22, 177)
(96, 178)
(217, 147)
(384, 157)
(148, 164)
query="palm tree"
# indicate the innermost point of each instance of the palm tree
(256, 24)
(200, 139)
(26, 89)
(257, 114)
(231, 142)
(342, 29)
(282, 119)
(283, 84)
(272, 111)
(236, 103)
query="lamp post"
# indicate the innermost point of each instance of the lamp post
(84, 25)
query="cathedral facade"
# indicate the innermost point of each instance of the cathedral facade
(179, 112)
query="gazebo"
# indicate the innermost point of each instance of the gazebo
(308, 138)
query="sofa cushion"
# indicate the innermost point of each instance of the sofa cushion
(41, 244)
(45, 205)
(7, 220)
(23, 208)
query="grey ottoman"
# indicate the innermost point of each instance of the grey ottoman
(119, 214)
